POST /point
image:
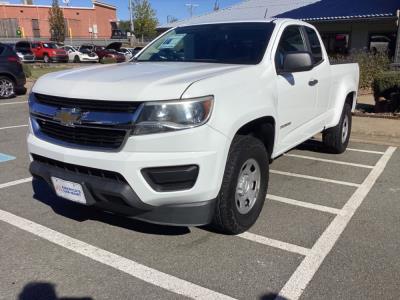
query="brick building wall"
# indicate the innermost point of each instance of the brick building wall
(82, 22)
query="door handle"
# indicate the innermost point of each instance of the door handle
(313, 82)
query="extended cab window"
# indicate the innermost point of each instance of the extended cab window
(315, 45)
(233, 43)
(291, 41)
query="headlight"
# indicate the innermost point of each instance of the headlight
(166, 116)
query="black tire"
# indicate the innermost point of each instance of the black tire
(227, 218)
(46, 58)
(7, 87)
(77, 59)
(335, 139)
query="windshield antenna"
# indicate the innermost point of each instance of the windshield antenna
(266, 11)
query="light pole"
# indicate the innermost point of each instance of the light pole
(132, 25)
(191, 8)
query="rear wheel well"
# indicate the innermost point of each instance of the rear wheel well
(9, 77)
(351, 99)
(263, 129)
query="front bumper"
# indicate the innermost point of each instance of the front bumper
(119, 197)
(203, 147)
(90, 59)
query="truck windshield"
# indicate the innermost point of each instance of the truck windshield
(234, 43)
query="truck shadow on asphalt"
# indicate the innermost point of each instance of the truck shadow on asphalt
(313, 145)
(44, 291)
(80, 213)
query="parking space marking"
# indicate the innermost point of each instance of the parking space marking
(11, 127)
(330, 161)
(322, 208)
(274, 243)
(315, 178)
(6, 157)
(16, 182)
(12, 103)
(147, 274)
(366, 151)
(311, 263)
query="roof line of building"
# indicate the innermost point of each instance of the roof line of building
(384, 15)
(95, 2)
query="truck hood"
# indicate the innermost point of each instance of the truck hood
(132, 81)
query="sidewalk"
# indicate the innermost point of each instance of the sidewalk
(376, 130)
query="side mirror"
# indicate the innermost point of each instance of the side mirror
(297, 62)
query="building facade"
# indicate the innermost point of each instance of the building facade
(31, 21)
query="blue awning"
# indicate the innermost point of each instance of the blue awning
(344, 10)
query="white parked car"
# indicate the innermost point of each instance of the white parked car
(76, 56)
(185, 133)
(126, 52)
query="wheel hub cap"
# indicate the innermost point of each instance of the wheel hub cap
(345, 130)
(248, 186)
(6, 88)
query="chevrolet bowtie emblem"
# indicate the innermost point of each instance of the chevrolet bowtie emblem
(68, 116)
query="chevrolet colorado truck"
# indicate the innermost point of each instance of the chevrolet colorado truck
(183, 134)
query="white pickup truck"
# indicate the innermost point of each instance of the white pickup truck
(183, 134)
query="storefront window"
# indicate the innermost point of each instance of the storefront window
(382, 43)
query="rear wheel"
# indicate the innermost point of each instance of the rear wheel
(77, 59)
(46, 58)
(337, 138)
(7, 87)
(244, 186)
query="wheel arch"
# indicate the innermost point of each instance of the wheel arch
(10, 76)
(263, 128)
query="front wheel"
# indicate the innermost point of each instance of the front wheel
(244, 186)
(46, 58)
(337, 138)
(7, 87)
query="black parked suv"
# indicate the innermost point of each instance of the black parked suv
(12, 77)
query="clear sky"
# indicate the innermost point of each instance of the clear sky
(164, 8)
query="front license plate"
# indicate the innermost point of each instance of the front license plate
(69, 190)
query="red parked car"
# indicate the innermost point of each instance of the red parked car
(49, 52)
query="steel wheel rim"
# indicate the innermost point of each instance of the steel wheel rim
(345, 129)
(248, 186)
(6, 88)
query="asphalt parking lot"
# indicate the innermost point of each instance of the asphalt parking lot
(330, 229)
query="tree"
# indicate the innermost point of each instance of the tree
(56, 22)
(145, 19)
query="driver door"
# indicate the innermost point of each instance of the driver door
(297, 95)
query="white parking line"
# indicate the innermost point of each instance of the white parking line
(16, 182)
(314, 178)
(152, 276)
(16, 126)
(274, 243)
(327, 209)
(365, 151)
(12, 103)
(330, 161)
(311, 263)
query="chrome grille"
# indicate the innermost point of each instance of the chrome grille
(85, 136)
(101, 124)
(88, 105)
